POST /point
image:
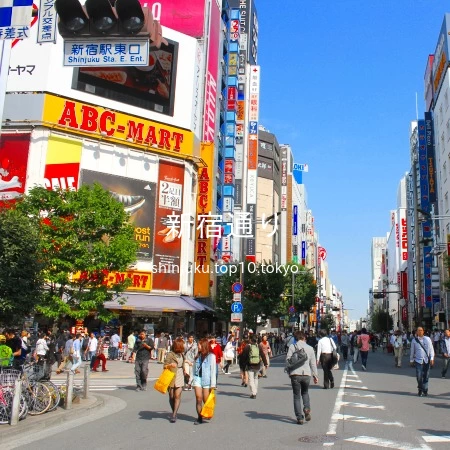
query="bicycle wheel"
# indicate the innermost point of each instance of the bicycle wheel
(23, 407)
(54, 392)
(6, 399)
(39, 398)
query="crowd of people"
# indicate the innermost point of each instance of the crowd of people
(197, 361)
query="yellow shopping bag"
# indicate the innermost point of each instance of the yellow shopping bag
(162, 383)
(208, 407)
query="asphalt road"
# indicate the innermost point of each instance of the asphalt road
(374, 409)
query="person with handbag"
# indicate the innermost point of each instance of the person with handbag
(204, 381)
(325, 349)
(228, 354)
(422, 357)
(175, 362)
(301, 377)
(363, 344)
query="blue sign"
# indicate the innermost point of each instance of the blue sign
(236, 307)
(295, 221)
(291, 309)
(237, 288)
(253, 128)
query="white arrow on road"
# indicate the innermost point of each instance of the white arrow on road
(362, 405)
(362, 419)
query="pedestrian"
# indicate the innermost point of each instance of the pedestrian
(253, 356)
(216, 348)
(301, 377)
(14, 342)
(162, 348)
(204, 376)
(114, 347)
(325, 349)
(6, 353)
(99, 355)
(355, 337)
(42, 351)
(228, 354)
(242, 363)
(344, 344)
(422, 357)
(91, 349)
(131, 340)
(265, 347)
(363, 344)
(142, 349)
(76, 353)
(175, 363)
(67, 358)
(398, 348)
(84, 347)
(445, 350)
(190, 353)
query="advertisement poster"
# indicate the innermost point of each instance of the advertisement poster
(13, 165)
(167, 240)
(62, 167)
(185, 17)
(138, 199)
(151, 87)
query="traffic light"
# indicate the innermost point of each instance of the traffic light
(100, 18)
(379, 295)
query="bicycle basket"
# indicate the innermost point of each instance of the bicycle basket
(9, 376)
(34, 372)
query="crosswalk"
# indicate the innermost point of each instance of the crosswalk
(92, 387)
(352, 397)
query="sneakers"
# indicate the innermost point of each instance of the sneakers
(300, 421)
(363, 368)
(307, 414)
(331, 384)
(253, 396)
(105, 370)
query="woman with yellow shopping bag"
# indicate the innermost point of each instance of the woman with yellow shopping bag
(175, 363)
(204, 382)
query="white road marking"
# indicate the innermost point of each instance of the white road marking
(362, 405)
(355, 394)
(368, 440)
(436, 438)
(354, 381)
(361, 419)
(337, 405)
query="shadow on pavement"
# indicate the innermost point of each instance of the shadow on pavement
(444, 433)
(438, 405)
(266, 416)
(164, 415)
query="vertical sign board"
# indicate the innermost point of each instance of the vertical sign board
(431, 161)
(425, 206)
(212, 73)
(283, 178)
(295, 233)
(204, 206)
(252, 154)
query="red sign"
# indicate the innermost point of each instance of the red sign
(62, 176)
(13, 165)
(229, 166)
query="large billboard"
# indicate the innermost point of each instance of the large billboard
(149, 87)
(138, 198)
(108, 125)
(14, 149)
(187, 17)
(431, 161)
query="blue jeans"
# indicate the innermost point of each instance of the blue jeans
(422, 373)
(364, 356)
(113, 353)
(300, 386)
(76, 363)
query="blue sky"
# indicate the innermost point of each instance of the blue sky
(338, 83)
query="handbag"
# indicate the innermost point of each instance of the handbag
(207, 411)
(359, 343)
(334, 356)
(162, 383)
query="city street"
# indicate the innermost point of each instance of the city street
(374, 409)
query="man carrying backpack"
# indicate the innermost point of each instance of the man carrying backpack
(301, 375)
(251, 358)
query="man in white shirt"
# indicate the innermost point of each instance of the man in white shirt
(114, 342)
(91, 349)
(422, 356)
(445, 350)
(131, 340)
(397, 343)
(325, 349)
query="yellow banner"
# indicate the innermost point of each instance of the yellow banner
(61, 150)
(204, 206)
(140, 281)
(98, 122)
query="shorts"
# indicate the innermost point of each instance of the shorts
(197, 382)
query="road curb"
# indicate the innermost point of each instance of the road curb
(51, 419)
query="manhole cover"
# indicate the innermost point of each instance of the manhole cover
(317, 439)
